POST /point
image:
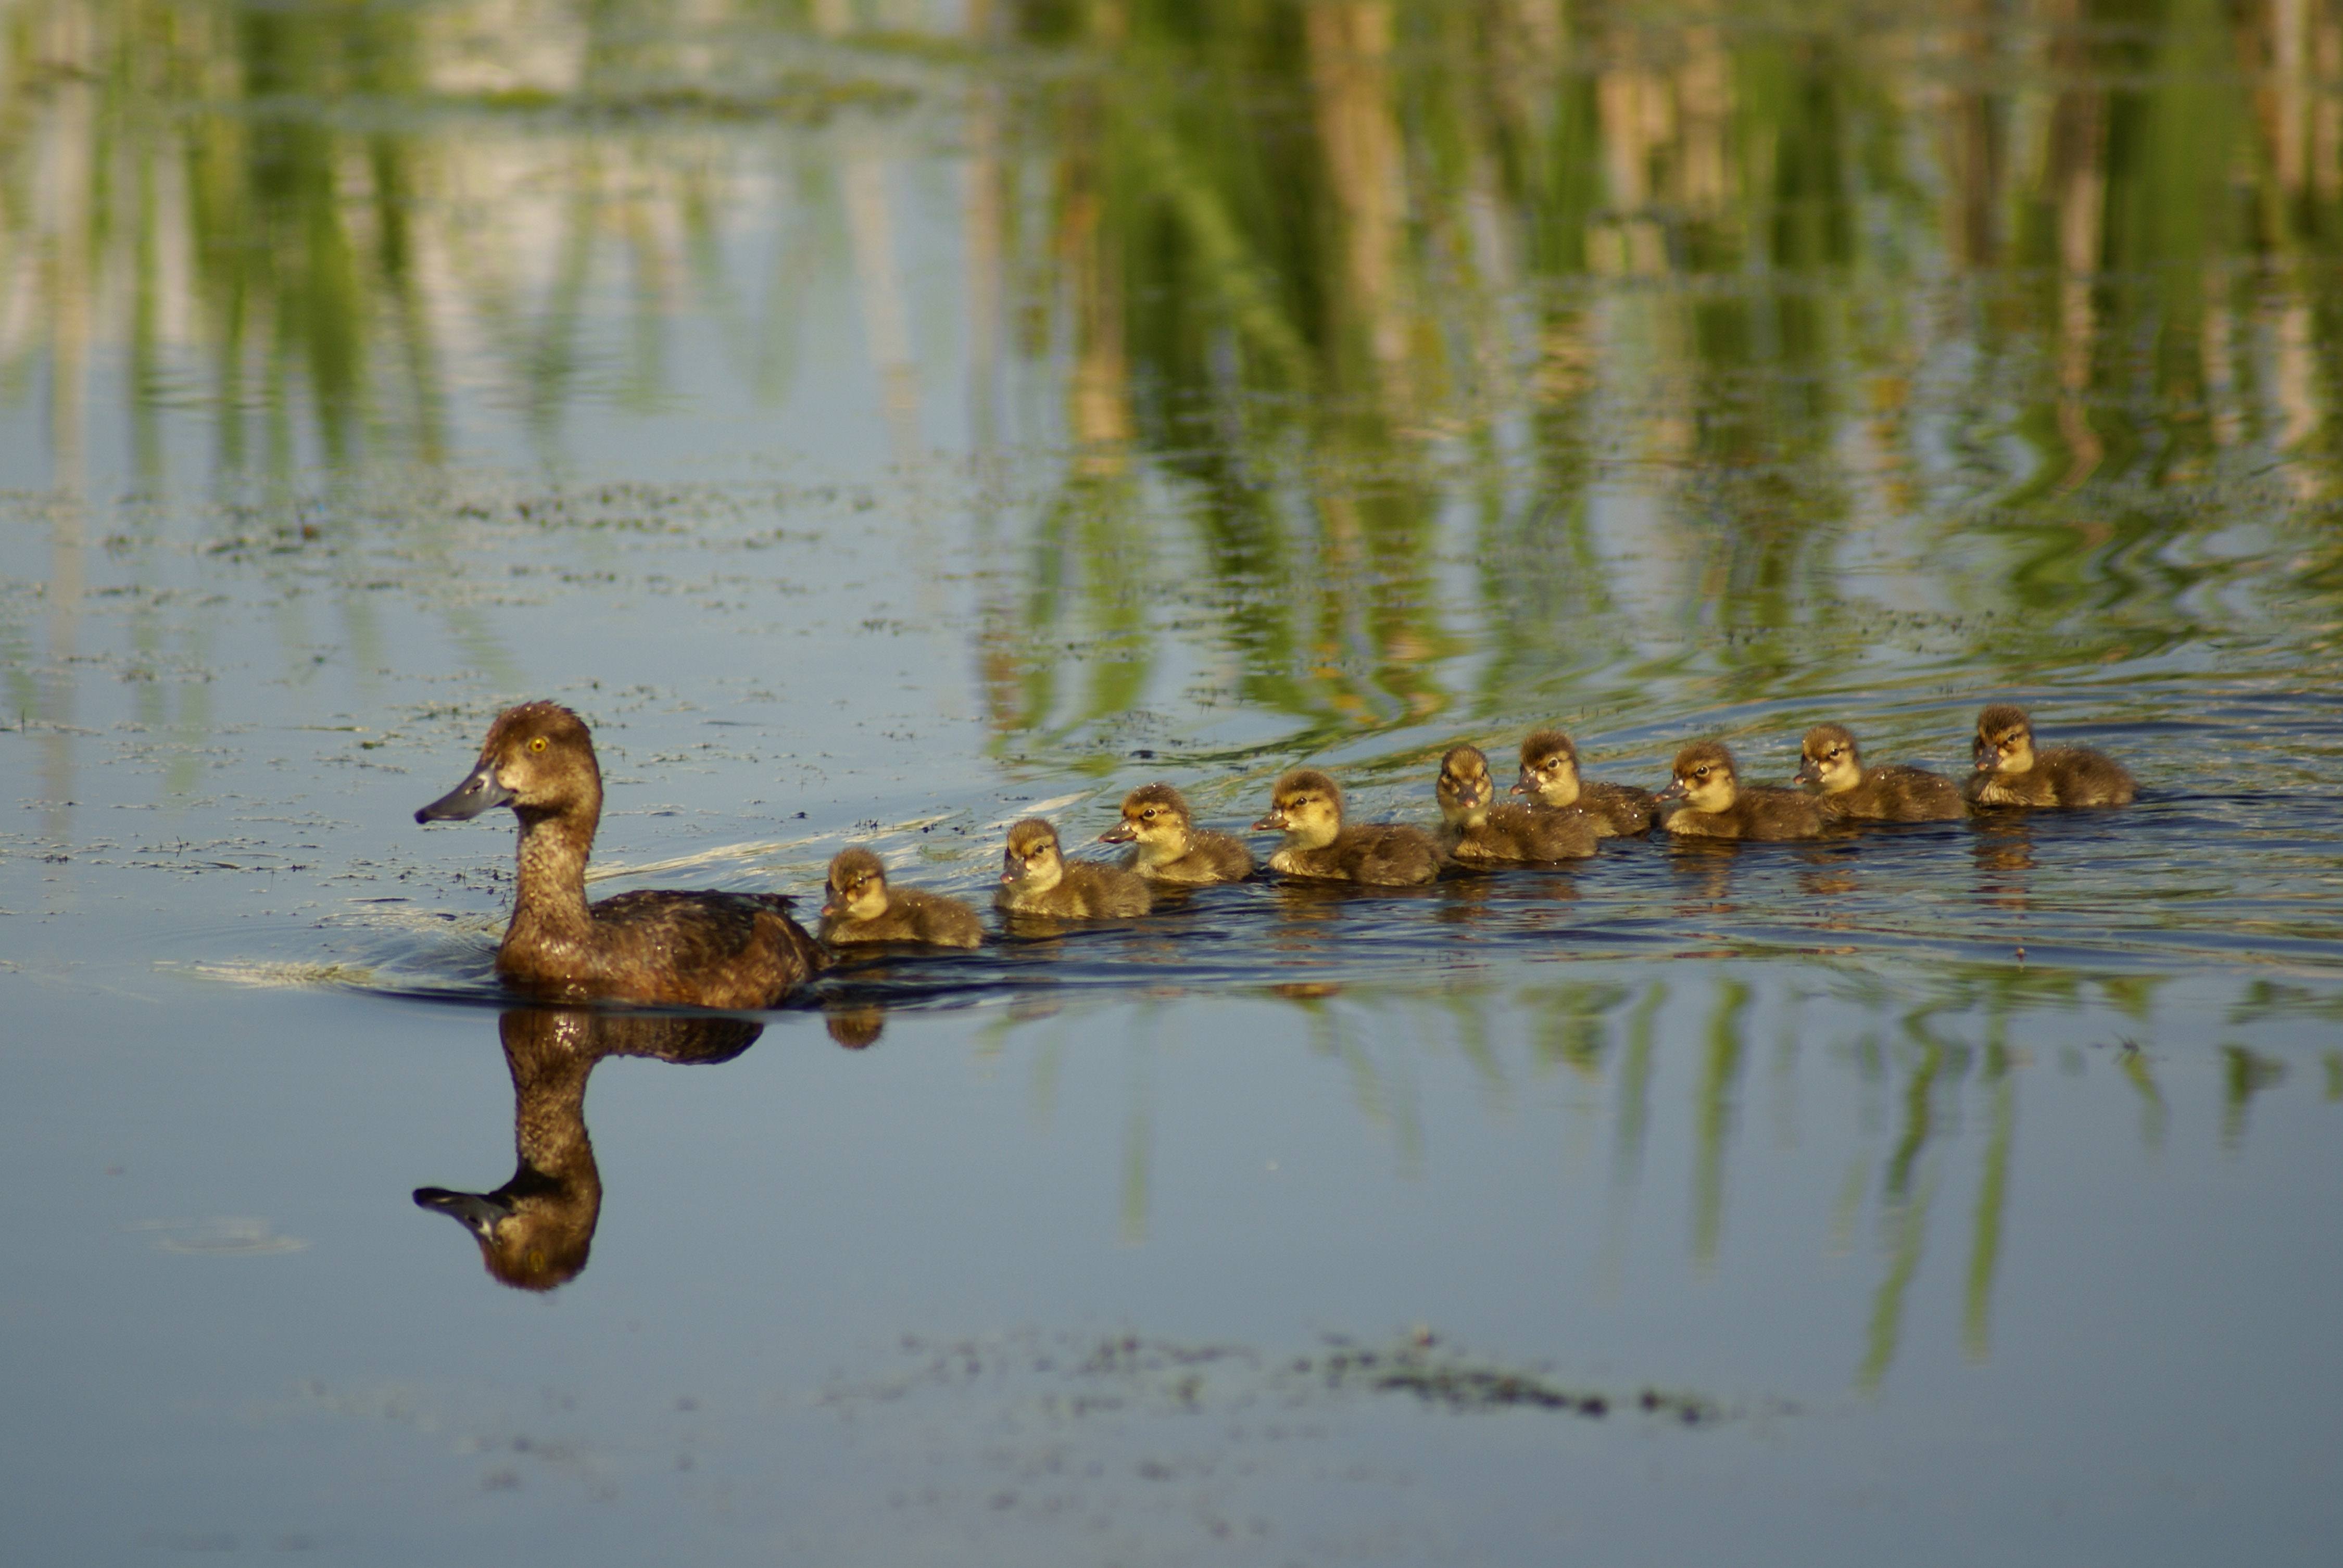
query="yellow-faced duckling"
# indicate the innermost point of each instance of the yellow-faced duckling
(1475, 827)
(2010, 772)
(698, 948)
(1848, 792)
(1550, 776)
(1035, 880)
(1308, 808)
(861, 907)
(1717, 805)
(1170, 846)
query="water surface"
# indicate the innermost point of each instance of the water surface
(885, 421)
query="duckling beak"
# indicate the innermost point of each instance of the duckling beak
(1272, 823)
(1674, 791)
(1011, 866)
(1522, 787)
(479, 793)
(1982, 751)
(1121, 833)
(829, 907)
(477, 1211)
(1809, 772)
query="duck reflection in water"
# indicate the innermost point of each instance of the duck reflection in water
(534, 1231)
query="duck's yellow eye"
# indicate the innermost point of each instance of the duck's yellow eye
(536, 744)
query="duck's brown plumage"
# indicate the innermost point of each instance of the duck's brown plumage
(1717, 805)
(2011, 772)
(1168, 847)
(1550, 776)
(863, 907)
(1847, 790)
(1308, 808)
(1475, 827)
(1036, 879)
(692, 949)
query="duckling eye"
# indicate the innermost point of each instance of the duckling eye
(1700, 772)
(537, 743)
(1148, 815)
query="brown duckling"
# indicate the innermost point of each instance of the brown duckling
(1550, 776)
(2010, 772)
(1035, 880)
(696, 948)
(861, 907)
(1717, 806)
(1848, 792)
(1308, 808)
(1170, 846)
(1473, 828)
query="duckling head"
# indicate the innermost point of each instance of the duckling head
(1465, 789)
(1703, 778)
(1828, 760)
(539, 759)
(1155, 818)
(1549, 768)
(1307, 807)
(858, 887)
(1032, 863)
(2004, 740)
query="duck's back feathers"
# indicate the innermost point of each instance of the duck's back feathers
(2061, 775)
(1892, 792)
(1211, 858)
(1519, 833)
(1383, 854)
(696, 948)
(1087, 890)
(1617, 810)
(912, 916)
(1759, 812)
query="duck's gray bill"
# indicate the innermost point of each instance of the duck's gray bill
(479, 793)
(480, 1211)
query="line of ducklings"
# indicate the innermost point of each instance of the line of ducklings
(744, 950)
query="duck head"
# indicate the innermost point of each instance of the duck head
(2004, 740)
(1828, 760)
(857, 887)
(1465, 789)
(1031, 864)
(1703, 778)
(539, 759)
(1307, 807)
(1549, 768)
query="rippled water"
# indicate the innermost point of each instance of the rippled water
(887, 422)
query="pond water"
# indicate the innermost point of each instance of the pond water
(885, 420)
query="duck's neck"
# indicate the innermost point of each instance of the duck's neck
(551, 871)
(1563, 789)
(1162, 853)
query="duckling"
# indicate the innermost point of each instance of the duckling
(1475, 830)
(1848, 792)
(861, 907)
(1550, 776)
(1171, 848)
(1715, 806)
(696, 948)
(1309, 808)
(1035, 880)
(2010, 772)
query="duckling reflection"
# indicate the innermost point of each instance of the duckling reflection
(534, 1231)
(856, 1028)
